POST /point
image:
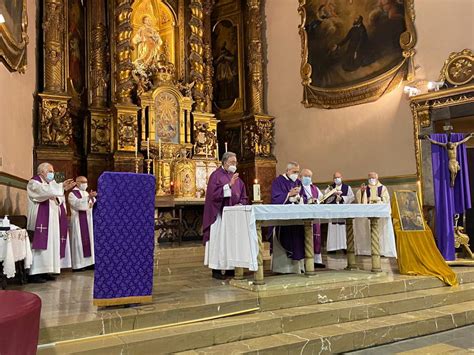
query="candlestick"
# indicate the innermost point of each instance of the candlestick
(136, 165)
(159, 148)
(148, 165)
(256, 191)
(136, 147)
(148, 148)
(172, 188)
(225, 146)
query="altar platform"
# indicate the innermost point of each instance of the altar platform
(334, 311)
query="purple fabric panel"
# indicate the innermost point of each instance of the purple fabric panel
(84, 226)
(448, 201)
(215, 200)
(63, 224)
(40, 236)
(379, 191)
(124, 235)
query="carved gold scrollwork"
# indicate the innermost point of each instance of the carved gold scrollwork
(208, 75)
(99, 64)
(54, 27)
(123, 11)
(55, 122)
(205, 139)
(458, 69)
(100, 133)
(196, 53)
(127, 130)
(258, 137)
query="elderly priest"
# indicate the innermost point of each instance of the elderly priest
(288, 241)
(48, 220)
(224, 188)
(82, 231)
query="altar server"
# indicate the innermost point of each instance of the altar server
(287, 241)
(82, 230)
(375, 192)
(343, 194)
(47, 218)
(225, 188)
(312, 195)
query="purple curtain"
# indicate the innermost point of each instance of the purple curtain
(448, 201)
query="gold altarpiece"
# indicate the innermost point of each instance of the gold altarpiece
(165, 85)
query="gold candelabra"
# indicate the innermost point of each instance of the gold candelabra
(148, 165)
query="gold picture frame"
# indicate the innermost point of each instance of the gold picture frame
(409, 210)
(335, 72)
(13, 34)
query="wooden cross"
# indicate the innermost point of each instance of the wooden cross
(41, 228)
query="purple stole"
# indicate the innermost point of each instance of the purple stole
(379, 191)
(344, 189)
(84, 227)
(40, 236)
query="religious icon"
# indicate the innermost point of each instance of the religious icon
(148, 42)
(76, 44)
(411, 218)
(451, 149)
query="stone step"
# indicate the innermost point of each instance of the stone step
(231, 329)
(354, 335)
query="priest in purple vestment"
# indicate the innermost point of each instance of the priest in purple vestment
(286, 190)
(311, 194)
(224, 188)
(47, 219)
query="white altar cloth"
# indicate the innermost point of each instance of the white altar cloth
(14, 246)
(235, 236)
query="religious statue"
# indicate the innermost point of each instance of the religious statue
(56, 128)
(149, 43)
(451, 149)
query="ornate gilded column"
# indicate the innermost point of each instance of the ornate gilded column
(257, 126)
(125, 112)
(100, 124)
(54, 121)
(200, 59)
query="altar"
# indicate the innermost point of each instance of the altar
(238, 233)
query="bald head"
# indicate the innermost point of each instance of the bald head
(306, 172)
(81, 180)
(373, 175)
(44, 168)
(337, 174)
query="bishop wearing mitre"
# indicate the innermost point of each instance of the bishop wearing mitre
(47, 219)
(225, 188)
(82, 230)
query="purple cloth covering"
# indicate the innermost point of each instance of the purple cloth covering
(84, 227)
(63, 226)
(40, 236)
(124, 235)
(316, 226)
(448, 200)
(215, 201)
(291, 237)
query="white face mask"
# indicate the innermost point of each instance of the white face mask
(232, 169)
(372, 181)
(83, 187)
(338, 181)
(293, 177)
(50, 177)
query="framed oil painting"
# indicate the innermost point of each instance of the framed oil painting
(354, 51)
(411, 217)
(13, 34)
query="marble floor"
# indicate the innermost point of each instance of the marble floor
(455, 341)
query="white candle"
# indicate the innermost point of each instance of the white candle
(217, 151)
(159, 148)
(136, 147)
(225, 146)
(256, 191)
(148, 148)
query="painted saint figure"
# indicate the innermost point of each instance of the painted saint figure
(451, 149)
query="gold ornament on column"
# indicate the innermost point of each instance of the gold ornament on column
(123, 33)
(54, 29)
(255, 56)
(196, 53)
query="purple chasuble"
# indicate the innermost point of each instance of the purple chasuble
(316, 226)
(215, 200)
(84, 227)
(40, 236)
(291, 237)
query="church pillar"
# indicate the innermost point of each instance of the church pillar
(257, 126)
(124, 111)
(200, 58)
(54, 128)
(100, 120)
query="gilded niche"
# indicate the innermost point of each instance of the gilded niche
(56, 126)
(354, 51)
